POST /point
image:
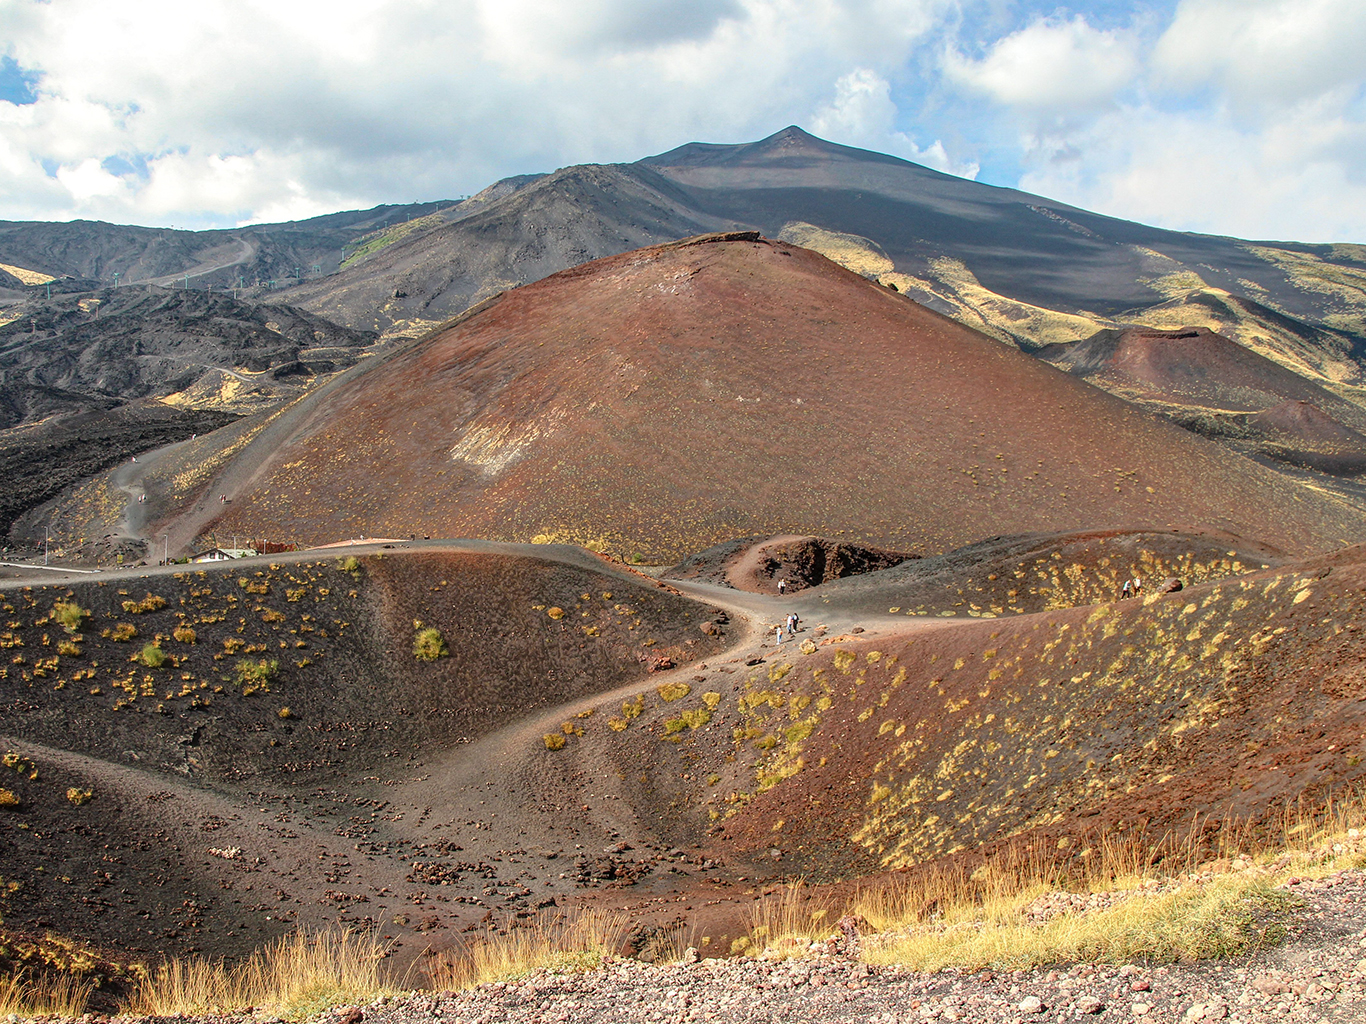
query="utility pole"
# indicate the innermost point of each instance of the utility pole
(47, 538)
(49, 289)
(116, 280)
(187, 280)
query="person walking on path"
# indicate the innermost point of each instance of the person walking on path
(782, 586)
(1127, 589)
(779, 631)
(1138, 585)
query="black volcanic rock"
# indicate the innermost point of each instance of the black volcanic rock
(77, 352)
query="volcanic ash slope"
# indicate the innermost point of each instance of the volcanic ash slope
(663, 400)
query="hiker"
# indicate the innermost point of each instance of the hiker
(782, 586)
(792, 623)
(779, 630)
(1126, 590)
(1138, 585)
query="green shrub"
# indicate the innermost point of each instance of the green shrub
(349, 564)
(152, 656)
(428, 644)
(70, 615)
(254, 675)
(150, 603)
(673, 691)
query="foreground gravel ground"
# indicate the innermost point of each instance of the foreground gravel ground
(1318, 975)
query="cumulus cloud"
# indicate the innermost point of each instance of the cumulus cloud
(235, 110)
(1243, 117)
(1051, 63)
(861, 113)
(1280, 51)
(1196, 171)
(1235, 116)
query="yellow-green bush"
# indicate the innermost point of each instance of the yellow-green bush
(70, 615)
(255, 675)
(429, 644)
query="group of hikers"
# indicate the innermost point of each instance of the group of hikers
(1131, 588)
(790, 625)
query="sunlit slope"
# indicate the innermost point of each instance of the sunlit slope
(657, 402)
(1228, 700)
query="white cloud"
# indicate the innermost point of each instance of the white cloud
(1196, 171)
(1049, 64)
(861, 113)
(1242, 117)
(239, 109)
(1237, 116)
(1282, 51)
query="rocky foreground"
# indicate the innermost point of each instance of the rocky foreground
(1317, 975)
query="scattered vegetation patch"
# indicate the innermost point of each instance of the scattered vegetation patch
(120, 633)
(295, 977)
(8, 800)
(429, 644)
(673, 691)
(150, 603)
(184, 634)
(152, 656)
(554, 740)
(580, 944)
(555, 612)
(21, 764)
(1223, 917)
(254, 675)
(78, 796)
(24, 996)
(69, 615)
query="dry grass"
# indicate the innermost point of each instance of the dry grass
(1199, 895)
(1226, 915)
(295, 977)
(579, 944)
(24, 996)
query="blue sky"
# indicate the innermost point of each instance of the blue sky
(1244, 117)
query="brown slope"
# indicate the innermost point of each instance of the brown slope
(189, 756)
(1227, 701)
(1191, 367)
(663, 400)
(1301, 432)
